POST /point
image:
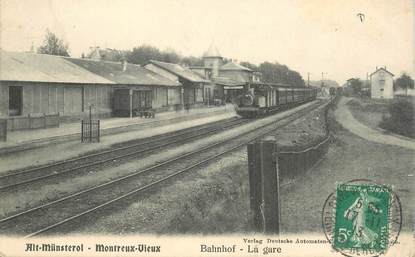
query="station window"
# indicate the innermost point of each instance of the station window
(15, 101)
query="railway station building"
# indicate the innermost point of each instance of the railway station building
(38, 91)
(230, 77)
(135, 87)
(35, 85)
(194, 86)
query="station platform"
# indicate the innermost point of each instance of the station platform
(29, 139)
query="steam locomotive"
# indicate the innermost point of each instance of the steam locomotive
(258, 100)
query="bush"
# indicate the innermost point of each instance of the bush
(401, 118)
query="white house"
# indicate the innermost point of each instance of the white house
(381, 83)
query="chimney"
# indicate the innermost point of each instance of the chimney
(124, 64)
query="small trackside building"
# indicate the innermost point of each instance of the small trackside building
(231, 89)
(135, 87)
(193, 83)
(37, 84)
(381, 84)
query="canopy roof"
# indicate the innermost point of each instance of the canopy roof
(234, 66)
(180, 71)
(132, 75)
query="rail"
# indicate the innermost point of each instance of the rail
(110, 192)
(12, 180)
(268, 163)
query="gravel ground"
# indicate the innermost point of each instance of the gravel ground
(63, 151)
(215, 199)
(210, 200)
(303, 131)
(47, 191)
(350, 157)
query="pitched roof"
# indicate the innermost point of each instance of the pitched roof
(384, 69)
(180, 71)
(44, 68)
(133, 75)
(234, 66)
(212, 51)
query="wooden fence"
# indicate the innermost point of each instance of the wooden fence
(33, 121)
(268, 163)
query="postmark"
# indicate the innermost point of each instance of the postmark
(362, 218)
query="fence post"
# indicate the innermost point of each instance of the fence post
(44, 120)
(98, 131)
(270, 185)
(30, 121)
(282, 165)
(3, 130)
(264, 185)
(254, 166)
(82, 131)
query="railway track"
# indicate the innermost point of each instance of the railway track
(15, 179)
(48, 217)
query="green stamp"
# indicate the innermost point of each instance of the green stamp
(361, 219)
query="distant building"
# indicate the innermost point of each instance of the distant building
(381, 83)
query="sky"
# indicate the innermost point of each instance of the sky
(310, 36)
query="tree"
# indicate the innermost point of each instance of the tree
(249, 65)
(192, 61)
(171, 56)
(53, 45)
(356, 86)
(142, 54)
(332, 91)
(277, 73)
(404, 82)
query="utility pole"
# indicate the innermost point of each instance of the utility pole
(322, 78)
(308, 79)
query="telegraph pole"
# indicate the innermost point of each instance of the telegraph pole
(322, 78)
(308, 79)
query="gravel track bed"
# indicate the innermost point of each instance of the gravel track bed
(68, 150)
(24, 224)
(120, 152)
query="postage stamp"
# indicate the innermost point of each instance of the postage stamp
(362, 218)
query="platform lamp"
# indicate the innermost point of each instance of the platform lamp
(90, 112)
(182, 96)
(130, 92)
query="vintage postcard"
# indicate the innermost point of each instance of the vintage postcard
(207, 128)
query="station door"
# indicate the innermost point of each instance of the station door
(142, 99)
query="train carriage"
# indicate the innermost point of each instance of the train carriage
(262, 99)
